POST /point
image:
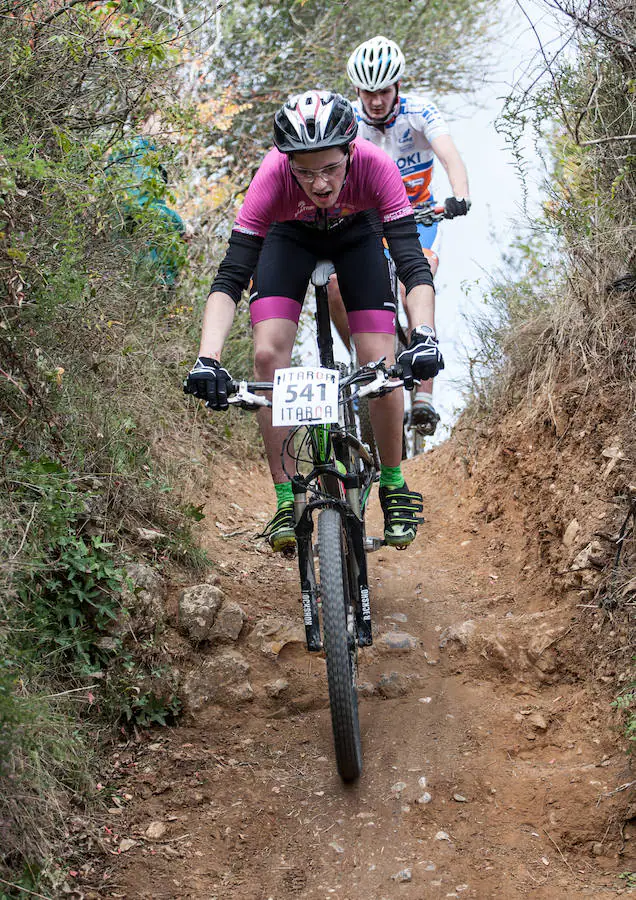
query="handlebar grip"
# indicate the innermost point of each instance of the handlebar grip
(251, 386)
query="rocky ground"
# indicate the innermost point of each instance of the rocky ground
(494, 766)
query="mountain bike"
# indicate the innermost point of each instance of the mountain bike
(333, 474)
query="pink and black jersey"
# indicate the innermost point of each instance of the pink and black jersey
(274, 195)
(278, 218)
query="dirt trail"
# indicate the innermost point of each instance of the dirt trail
(518, 759)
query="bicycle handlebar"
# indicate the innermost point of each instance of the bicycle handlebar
(428, 215)
(374, 379)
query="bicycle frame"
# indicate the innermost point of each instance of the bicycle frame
(342, 489)
(332, 479)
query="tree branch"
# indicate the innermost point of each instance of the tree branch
(60, 12)
(607, 140)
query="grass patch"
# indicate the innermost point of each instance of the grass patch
(46, 759)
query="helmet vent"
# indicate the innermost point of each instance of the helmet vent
(376, 64)
(316, 120)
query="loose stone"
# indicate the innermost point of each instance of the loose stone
(404, 875)
(397, 640)
(398, 787)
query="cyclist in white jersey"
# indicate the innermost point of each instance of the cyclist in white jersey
(411, 129)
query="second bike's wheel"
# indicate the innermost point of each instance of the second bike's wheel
(399, 347)
(339, 643)
(367, 436)
(366, 431)
(419, 441)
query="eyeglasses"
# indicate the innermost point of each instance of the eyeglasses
(310, 175)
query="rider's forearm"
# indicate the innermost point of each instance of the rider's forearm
(217, 321)
(458, 177)
(412, 266)
(420, 306)
(448, 154)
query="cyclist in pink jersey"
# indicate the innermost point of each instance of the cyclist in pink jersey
(411, 129)
(320, 194)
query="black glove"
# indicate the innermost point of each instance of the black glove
(422, 359)
(209, 381)
(454, 206)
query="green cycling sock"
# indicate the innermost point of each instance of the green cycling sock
(284, 494)
(391, 477)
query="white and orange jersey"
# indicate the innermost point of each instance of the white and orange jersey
(407, 139)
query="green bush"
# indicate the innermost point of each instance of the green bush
(68, 595)
(84, 307)
(626, 702)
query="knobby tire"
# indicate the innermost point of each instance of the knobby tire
(340, 649)
(399, 347)
(366, 431)
(419, 442)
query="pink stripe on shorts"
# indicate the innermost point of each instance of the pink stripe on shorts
(363, 321)
(274, 308)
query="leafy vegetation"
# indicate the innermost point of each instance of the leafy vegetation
(85, 311)
(574, 319)
(306, 44)
(626, 702)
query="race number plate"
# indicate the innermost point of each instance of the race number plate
(305, 395)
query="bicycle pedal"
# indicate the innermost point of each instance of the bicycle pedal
(289, 552)
(371, 544)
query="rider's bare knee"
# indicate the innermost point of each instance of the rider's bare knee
(267, 358)
(433, 259)
(370, 346)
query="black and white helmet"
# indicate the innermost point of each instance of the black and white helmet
(315, 120)
(376, 64)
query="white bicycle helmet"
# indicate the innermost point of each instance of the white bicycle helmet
(375, 64)
(315, 120)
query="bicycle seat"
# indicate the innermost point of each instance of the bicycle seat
(323, 271)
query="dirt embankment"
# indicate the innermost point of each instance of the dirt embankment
(494, 764)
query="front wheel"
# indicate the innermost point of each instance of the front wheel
(339, 643)
(419, 441)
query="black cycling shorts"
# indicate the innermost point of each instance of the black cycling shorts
(289, 254)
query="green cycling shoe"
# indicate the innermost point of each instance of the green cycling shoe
(400, 507)
(280, 532)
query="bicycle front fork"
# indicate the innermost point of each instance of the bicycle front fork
(356, 574)
(308, 585)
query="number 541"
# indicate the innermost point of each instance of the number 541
(307, 393)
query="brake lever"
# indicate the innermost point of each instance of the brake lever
(246, 399)
(378, 364)
(378, 387)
